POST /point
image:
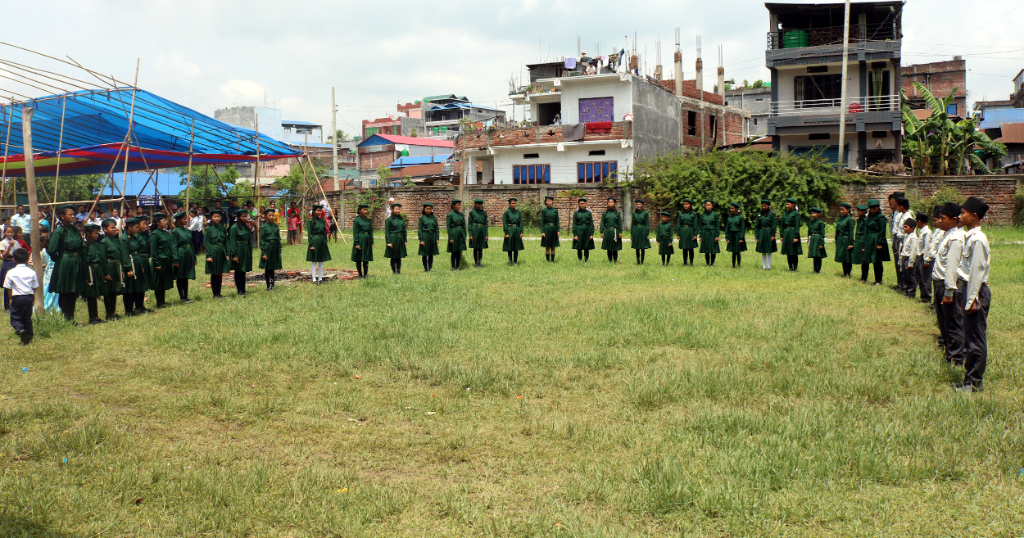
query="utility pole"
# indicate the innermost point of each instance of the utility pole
(842, 100)
(33, 203)
(334, 156)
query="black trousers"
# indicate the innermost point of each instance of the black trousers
(666, 258)
(140, 301)
(513, 256)
(428, 263)
(456, 260)
(924, 279)
(21, 316)
(240, 282)
(110, 305)
(688, 256)
(396, 265)
(909, 279)
(182, 285)
(951, 324)
(737, 259)
(641, 255)
(478, 256)
(161, 298)
(66, 302)
(794, 262)
(93, 304)
(897, 246)
(847, 269)
(613, 256)
(583, 255)
(709, 259)
(216, 281)
(817, 264)
(975, 339)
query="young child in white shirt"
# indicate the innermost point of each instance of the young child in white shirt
(22, 282)
(908, 257)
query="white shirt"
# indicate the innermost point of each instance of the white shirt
(22, 221)
(909, 249)
(974, 263)
(897, 224)
(7, 244)
(933, 246)
(195, 224)
(947, 259)
(924, 241)
(21, 280)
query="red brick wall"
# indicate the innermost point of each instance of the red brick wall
(732, 122)
(532, 135)
(373, 161)
(996, 191)
(690, 90)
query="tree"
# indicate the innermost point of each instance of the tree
(340, 135)
(70, 188)
(290, 187)
(758, 83)
(207, 184)
(383, 175)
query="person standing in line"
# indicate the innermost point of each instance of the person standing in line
(270, 248)
(687, 224)
(114, 279)
(923, 272)
(816, 239)
(908, 256)
(929, 257)
(455, 223)
(429, 234)
(161, 251)
(664, 235)
(136, 278)
(22, 282)
(640, 232)
(216, 252)
(765, 225)
(948, 312)
(23, 221)
(582, 231)
(896, 233)
(396, 238)
(184, 266)
(512, 225)
(293, 228)
(67, 250)
(550, 227)
(611, 231)
(95, 270)
(972, 282)
(844, 239)
(861, 256)
(239, 248)
(195, 229)
(319, 251)
(735, 234)
(7, 248)
(789, 226)
(362, 241)
(710, 229)
(876, 246)
(478, 231)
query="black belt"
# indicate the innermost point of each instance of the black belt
(72, 254)
(217, 244)
(94, 265)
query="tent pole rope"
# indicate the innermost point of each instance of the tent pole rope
(60, 148)
(188, 182)
(127, 139)
(7, 146)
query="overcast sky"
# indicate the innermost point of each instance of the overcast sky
(212, 54)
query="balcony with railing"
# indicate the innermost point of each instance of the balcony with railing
(827, 107)
(790, 46)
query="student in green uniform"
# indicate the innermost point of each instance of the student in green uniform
(789, 228)
(396, 238)
(816, 239)
(640, 232)
(161, 251)
(710, 228)
(861, 256)
(112, 263)
(455, 222)
(735, 234)
(550, 227)
(477, 223)
(429, 234)
(876, 243)
(512, 225)
(318, 251)
(95, 269)
(582, 231)
(362, 241)
(664, 237)
(67, 250)
(184, 256)
(215, 237)
(270, 248)
(765, 225)
(845, 226)
(687, 225)
(239, 249)
(611, 231)
(145, 252)
(134, 260)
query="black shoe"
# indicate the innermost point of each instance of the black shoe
(161, 305)
(113, 317)
(219, 297)
(967, 387)
(96, 321)
(186, 301)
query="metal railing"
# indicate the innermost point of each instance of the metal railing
(830, 35)
(824, 107)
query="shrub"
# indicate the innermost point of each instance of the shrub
(943, 194)
(1018, 207)
(530, 210)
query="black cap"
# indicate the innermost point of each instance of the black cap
(950, 210)
(897, 195)
(937, 212)
(910, 222)
(922, 216)
(976, 206)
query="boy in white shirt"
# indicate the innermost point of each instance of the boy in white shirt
(949, 313)
(22, 281)
(924, 272)
(972, 281)
(908, 257)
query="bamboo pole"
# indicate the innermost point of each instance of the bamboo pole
(256, 175)
(188, 182)
(842, 93)
(312, 170)
(7, 146)
(33, 202)
(60, 148)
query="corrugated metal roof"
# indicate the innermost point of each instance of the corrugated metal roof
(287, 122)
(1013, 133)
(381, 139)
(416, 161)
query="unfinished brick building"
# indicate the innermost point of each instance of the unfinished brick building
(940, 78)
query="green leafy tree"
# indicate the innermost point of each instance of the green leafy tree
(290, 187)
(80, 187)
(207, 183)
(383, 175)
(758, 84)
(340, 136)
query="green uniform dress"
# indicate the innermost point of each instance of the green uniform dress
(215, 242)
(161, 253)
(456, 224)
(611, 230)
(735, 234)
(816, 239)
(512, 225)
(583, 230)
(93, 285)
(687, 223)
(844, 239)
(477, 229)
(664, 238)
(318, 250)
(710, 228)
(362, 236)
(861, 255)
(429, 234)
(764, 231)
(132, 261)
(876, 238)
(789, 225)
(549, 226)
(396, 232)
(184, 256)
(147, 254)
(270, 246)
(640, 231)
(112, 256)
(239, 245)
(67, 250)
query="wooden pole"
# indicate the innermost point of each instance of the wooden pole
(256, 175)
(33, 202)
(324, 194)
(842, 100)
(7, 146)
(60, 148)
(188, 182)
(131, 126)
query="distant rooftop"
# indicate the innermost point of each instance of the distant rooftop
(291, 122)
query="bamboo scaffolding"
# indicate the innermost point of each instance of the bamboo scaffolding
(312, 170)
(188, 182)
(60, 148)
(33, 203)
(7, 145)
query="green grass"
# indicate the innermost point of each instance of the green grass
(539, 400)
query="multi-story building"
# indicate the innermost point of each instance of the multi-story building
(383, 150)
(756, 101)
(1018, 90)
(443, 115)
(805, 57)
(941, 78)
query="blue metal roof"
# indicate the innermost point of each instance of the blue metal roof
(992, 119)
(458, 106)
(402, 162)
(286, 122)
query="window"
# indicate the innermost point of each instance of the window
(714, 127)
(817, 91)
(819, 136)
(531, 156)
(691, 123)
(818, 69)
(879, 134)
(755, 121)
(531, 174)
(595, 172)
(597, 109)
(596, 152)
(951, 110)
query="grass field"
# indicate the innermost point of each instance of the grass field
(539, 400)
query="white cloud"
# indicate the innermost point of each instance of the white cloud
(237, 92)
(175, 65)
